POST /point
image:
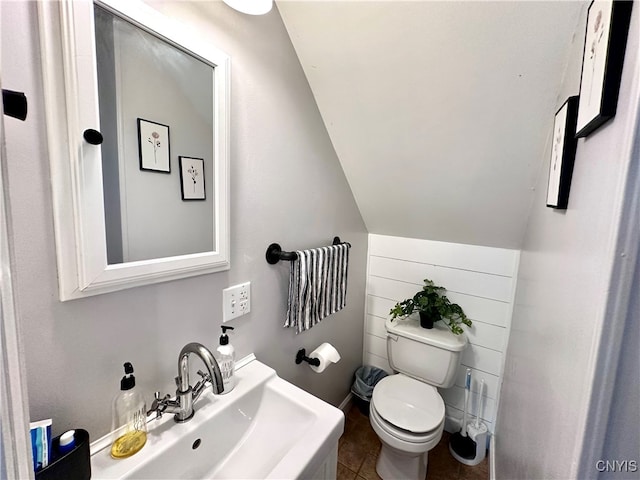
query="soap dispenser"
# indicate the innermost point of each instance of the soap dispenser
(226, 358)
(129, 417)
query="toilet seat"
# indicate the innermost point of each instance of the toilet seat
(408, 407)
(403, 436)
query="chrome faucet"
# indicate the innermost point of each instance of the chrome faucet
(186, 396)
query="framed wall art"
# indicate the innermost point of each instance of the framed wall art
(192, 178)
(602, 60)
(153, 146)
(563, 153)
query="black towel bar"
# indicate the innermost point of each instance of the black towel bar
(275, 253)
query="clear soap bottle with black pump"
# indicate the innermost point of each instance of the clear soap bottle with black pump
(129, 417)
(226, 358)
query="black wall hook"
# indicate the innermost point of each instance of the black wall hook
(14, 104)
(301, 356)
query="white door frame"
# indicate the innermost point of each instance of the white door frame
(624, 252)
(14, 411)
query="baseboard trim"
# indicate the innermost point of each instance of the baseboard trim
(345, 405)
(492, 457)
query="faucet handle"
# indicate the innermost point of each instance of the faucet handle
(202, 384)
(155, 405)
(156, 401)
(159, 405)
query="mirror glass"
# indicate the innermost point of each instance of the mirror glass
(156, 104)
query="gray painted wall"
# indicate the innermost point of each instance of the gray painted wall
(109, 129)
(286, 185)
(622, 441)
(563, 287)
(160, 83)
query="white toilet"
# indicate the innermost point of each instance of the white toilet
(407, 412)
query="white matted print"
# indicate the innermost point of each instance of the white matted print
(192, 178)
(602, 62)
(594, 63)
(563, 152)
(557, 147)
(153, 145)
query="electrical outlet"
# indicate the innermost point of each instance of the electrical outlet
(244, 307)
(236, 301)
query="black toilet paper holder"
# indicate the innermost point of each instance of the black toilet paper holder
(301, 356)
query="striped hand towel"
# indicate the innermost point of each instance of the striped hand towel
(317, 285)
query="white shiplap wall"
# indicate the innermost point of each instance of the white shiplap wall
(481, 280)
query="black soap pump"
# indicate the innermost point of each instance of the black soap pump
(129, 417)
(226, 357)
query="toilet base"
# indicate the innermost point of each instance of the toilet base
(393, 465)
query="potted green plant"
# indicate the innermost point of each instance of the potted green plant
(433, 306)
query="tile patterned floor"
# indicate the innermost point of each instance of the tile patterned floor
(359, 447)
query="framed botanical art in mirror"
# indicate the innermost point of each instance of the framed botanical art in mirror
(192, 179)
(152, 89)
(153, 146)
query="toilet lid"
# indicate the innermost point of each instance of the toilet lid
(408, 403)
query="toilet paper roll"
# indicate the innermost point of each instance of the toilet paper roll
(327, 354)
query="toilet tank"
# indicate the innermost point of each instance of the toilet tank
(429, 355)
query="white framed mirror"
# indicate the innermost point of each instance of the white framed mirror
(137, 115)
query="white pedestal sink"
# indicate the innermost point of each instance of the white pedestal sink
(265, 428)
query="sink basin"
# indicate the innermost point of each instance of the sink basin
(264, 428)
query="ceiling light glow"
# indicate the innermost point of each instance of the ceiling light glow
(251, 7)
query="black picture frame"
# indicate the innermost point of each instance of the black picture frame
(563, 154)
(154, 146)
(192, 182)
(602, 62)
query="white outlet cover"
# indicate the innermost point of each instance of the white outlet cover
(236, 301)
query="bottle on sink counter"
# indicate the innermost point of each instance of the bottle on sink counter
(226, 358)
(129, 417)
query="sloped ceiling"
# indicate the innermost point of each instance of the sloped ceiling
(439, 111)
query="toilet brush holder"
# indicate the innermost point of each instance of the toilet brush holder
(477, 433)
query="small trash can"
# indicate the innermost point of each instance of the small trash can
(366, 378)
